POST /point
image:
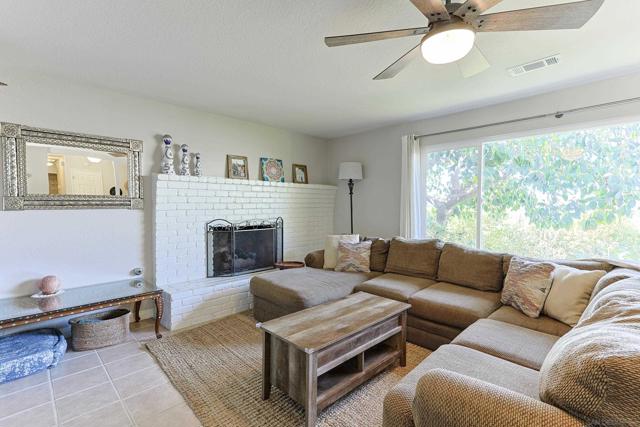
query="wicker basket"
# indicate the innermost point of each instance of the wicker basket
(100, 330)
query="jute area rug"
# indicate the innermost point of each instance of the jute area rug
(218, 369)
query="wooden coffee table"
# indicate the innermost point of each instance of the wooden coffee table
(320, 354)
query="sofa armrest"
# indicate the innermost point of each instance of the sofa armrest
(315, 259)
(447, 399)
(615, 275)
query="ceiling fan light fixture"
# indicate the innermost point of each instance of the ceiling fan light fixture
(448, 43)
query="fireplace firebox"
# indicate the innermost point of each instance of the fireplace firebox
(242, 248)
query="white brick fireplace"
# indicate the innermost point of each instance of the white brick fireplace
(182, 207)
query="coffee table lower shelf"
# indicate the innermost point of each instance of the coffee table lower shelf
(339, 381)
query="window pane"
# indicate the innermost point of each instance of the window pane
(452, 195)
(564, 195)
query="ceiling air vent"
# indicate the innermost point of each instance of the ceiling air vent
(534, 65)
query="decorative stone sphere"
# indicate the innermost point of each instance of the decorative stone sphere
(49, 285)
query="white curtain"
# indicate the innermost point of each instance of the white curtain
(411, 209)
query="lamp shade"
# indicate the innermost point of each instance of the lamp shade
(350, 170)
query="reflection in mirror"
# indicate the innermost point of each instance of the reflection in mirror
(54, 169)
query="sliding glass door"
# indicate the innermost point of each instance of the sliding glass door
(563, 195)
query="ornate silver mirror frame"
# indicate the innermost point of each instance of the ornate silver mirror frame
(13, 140)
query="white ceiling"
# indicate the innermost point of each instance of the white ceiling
(265, 60)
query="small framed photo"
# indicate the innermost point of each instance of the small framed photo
(271, 170)
(237, 167)
(300, 175)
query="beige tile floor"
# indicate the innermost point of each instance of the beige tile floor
(111, 387)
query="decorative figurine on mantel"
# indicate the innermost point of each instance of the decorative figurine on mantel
(167, 156)
(184, 160)
(197, 167)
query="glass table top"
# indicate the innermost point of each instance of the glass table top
(19, 307)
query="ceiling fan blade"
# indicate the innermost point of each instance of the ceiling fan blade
(474, 63)
(564, 16)
(435, 10)
(372, 37)
(393, 69)
(471, 9)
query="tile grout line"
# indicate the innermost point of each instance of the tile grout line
(124, 407)
(24, 389)
(134, 372)
(25, 410)
(110, 403)
(75, 373)
(80, 391)
(123, 359)
(53, 398)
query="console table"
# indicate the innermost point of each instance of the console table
(26, 310)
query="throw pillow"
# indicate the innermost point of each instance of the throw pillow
(570, 293)
(354, 257)
(413, 257)
(331, 248)
(527, 285)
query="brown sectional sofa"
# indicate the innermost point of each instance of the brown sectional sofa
(448, 286)
(486, 367)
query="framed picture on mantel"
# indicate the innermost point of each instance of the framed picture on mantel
(237, 167)
(271, 170)
(300, 175)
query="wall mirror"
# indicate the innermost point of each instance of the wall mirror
(49, 169)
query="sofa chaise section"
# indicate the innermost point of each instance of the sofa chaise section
(278, 293)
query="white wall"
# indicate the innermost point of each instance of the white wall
(377, 197)
(92, 246)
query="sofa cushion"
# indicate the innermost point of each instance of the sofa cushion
(394, 286)
(453, 305)
(417, 258)
(579, 264)
(379, 253)
(541, 324)
(570, 293)
(465, 361)
(301, 288)
(471, 267)
(516, 344)
(527, 285)
(592, 372)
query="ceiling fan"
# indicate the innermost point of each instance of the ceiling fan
(451, 33)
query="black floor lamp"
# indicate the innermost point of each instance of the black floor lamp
(350, 172)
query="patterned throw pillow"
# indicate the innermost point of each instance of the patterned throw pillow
(527, 285)
(354, 257)
(331, 248)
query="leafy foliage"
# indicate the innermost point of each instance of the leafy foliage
(557, 187)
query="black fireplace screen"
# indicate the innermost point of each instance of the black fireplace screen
(241, 248)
